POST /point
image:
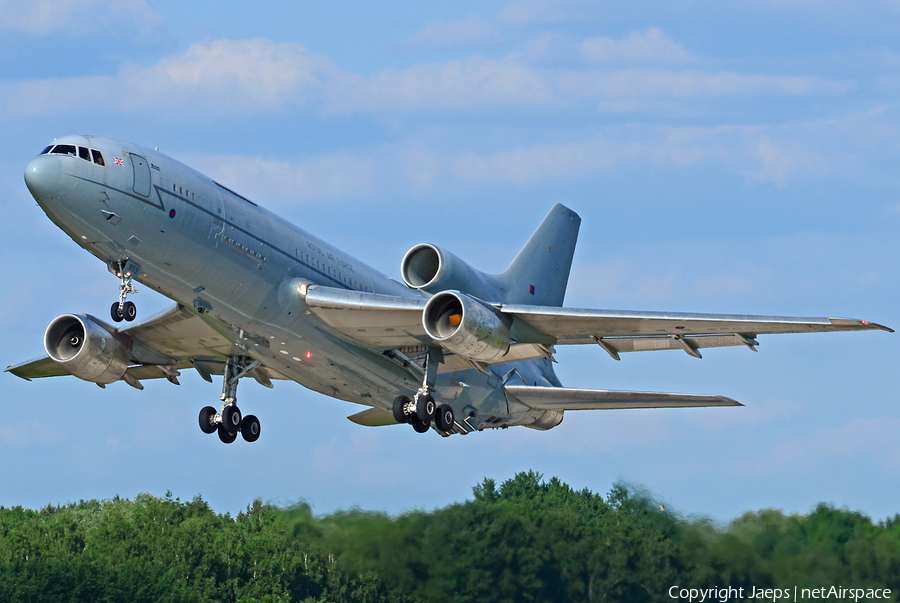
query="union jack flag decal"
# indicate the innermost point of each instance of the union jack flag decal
(118, 161)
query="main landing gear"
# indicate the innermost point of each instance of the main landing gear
(228, 421)
(422, 410)
(125, 310)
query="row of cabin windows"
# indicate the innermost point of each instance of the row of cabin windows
(71, 150)
(350, 282)
(183, 191)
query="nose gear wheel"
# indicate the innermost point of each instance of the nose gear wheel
(123, 309)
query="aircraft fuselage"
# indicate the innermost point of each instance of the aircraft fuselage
(237, 264)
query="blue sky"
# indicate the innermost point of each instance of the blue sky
(737, 157)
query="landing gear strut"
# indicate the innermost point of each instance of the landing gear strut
(123, 309)
(228, 421)
(422, 410)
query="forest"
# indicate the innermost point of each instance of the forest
(526, 539)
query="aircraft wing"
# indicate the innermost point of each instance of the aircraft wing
(37, 368)
(624, 331)
(389, 322)
(564, 398)
(161, 346)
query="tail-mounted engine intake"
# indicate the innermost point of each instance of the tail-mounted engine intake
(85, 348)
(465, 326)
(432, 269)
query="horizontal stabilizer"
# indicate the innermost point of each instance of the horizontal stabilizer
(564, 398)
(373, 417)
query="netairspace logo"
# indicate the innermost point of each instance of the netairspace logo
(723, 595)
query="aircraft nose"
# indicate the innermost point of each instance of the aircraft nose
(42, 175)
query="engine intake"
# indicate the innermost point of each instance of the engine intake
(85, 349)
(465, 326)
(431, 269)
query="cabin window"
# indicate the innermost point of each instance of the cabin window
(98, 157)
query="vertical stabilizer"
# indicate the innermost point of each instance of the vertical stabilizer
(539, 274)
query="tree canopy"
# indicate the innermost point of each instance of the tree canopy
(528, 539)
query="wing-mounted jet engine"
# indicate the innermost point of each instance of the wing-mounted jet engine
(86, 348)
(466, 327)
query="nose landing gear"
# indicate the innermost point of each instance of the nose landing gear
(228, 421)
(122, 309)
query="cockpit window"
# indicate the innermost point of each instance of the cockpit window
(64, 149)
(71, 150)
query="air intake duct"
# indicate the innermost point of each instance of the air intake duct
(466, 327)
(85, 348)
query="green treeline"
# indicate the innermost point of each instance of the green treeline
(526, 540)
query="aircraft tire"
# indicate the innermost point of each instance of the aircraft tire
(425, 407)
(114, 312)
(129, 311)
(418, 425)
(226, 436)
(206, 415)
(250, 428)
(444, 418)
(399, 415)
(231, 418)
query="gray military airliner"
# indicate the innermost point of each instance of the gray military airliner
(453, 350)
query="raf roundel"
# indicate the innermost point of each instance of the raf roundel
(171, 213)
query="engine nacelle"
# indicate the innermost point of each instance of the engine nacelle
(85, 348)
(548, 420)
(432, 269)
(465, 327)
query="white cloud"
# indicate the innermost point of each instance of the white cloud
(774, 154)
(248, 75)
(74, 16)
(233, 76)
(658, 146)
(779, 155)
(468, 33)
(224, 75)
(473, 83)
(539, 162)
(782, 161)
(272, 182)
(654, 83)
(652, 46)
(259, 70)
